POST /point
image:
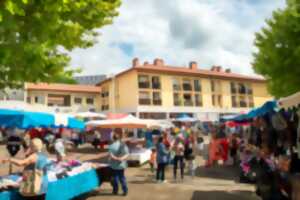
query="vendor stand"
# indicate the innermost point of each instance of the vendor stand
(66, 181)
(138, 154)
(68, 187)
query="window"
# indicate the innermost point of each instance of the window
(186, 85)
(144, 81)
(242, 88)
(90, 101)
(242, 95)
(220, 102)
(233, 88)
(213, 99)
(104, 107)
(177, 99)
(38, 99)
(77, 100)
(197, 85)
(144, 98)
(104, 94)
(187, 100)
(234, 101)
(156, 98)
(243, 102)
(249, 90)
(251, 101)
(59, 100)
(28, 99)
(212, 84)
(176, 84)
(155, 82)
(198, 100)
(150, 115)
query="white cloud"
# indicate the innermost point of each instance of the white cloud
(211, 32)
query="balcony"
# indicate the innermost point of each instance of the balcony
(145, 101)
(156, 86)
(243, 104)
(198, 88)
(176, 87)
(157, 102)
(144, 85)
(198, 103)
(187, 87)
(242, 90)
(177, 103)
(233, 90)
(188, 103)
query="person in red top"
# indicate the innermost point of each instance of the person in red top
(225, 149)
(166, 141)
(34, 133)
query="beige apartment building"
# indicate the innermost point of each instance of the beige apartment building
(64, 97)
(156, 90)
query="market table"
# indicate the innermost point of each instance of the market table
(63, 189)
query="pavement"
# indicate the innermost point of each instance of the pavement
(218, 183)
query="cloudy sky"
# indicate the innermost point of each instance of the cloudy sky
(211, 32)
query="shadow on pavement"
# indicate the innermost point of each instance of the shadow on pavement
(222, 195)
(219, 172)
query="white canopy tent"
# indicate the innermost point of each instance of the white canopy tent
(21, 105)
(90, 115)
(159, 124)
(290, 101)
(126, 122)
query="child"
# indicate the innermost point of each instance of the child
(152, 161)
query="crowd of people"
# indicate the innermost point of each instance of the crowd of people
(265, 150)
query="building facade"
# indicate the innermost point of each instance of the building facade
(160, 91)
(12, 94)
(64, 97)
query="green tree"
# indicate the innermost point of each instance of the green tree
(278, 56)
(35, 36)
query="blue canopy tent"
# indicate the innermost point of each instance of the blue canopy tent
(269, 106)
(23, 119)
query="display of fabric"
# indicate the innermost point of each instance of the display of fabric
(8, 182)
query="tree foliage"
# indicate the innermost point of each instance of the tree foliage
(278, 56)
(35, 33)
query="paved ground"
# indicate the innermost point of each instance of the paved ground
(209, 184)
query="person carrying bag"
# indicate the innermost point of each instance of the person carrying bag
(34, 184)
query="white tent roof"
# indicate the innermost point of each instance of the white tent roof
(126, 122)
(21, 105)
(90, 115)
(290, 101)
(164, 124)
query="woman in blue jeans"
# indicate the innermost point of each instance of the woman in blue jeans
(119, 153)
(162, 160)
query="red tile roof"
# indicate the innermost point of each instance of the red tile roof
(63, 87)
(165, 69)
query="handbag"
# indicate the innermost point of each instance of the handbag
(32, 182)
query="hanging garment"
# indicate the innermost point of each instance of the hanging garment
(278, 122)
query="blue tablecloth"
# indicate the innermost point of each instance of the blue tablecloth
(64, 189)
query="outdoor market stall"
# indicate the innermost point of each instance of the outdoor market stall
(66, 182)
(63, 177)
(138, 154)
